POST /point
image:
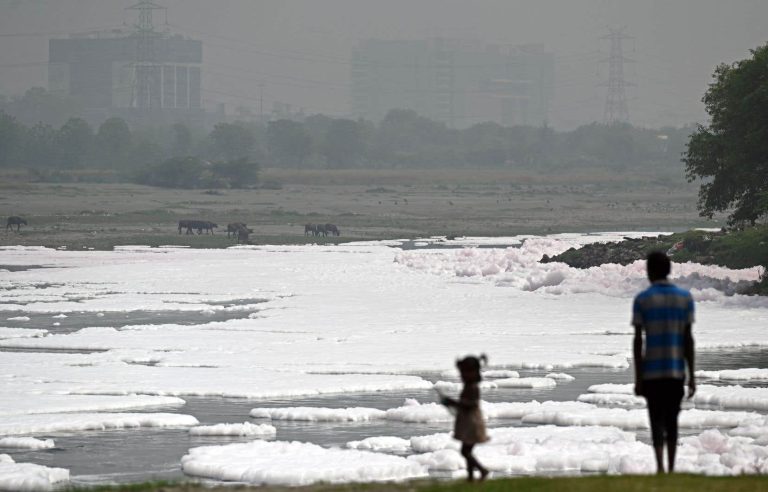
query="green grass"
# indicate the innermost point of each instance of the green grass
(671, 483)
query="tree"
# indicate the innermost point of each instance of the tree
(40, 149)
(232, 141)
(731, 153)
(343, 143)
(38, 105)
(288, 142)
(74, 142)
(11, 139)
(114, 142)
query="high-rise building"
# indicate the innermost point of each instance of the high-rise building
(458, 82)
(113, 73)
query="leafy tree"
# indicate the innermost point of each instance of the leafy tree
(74, 142)
(38, 105)
(344, 143)
(114, 142)
(11, 139)
(40, 149)
(232, 141)
(288, 142)
(731, 153)
(239, 173)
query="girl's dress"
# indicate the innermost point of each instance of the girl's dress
(470, 426)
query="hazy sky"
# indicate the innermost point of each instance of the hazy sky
(299, 49)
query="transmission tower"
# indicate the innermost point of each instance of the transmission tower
(145, 62)
(616, 110)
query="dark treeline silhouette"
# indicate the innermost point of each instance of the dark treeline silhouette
(183, 156)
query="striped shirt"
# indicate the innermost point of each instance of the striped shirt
(662, 312)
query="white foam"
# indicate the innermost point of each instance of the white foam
(612, 399)
(453, 386)
(547, 449)
(19, 318)
(746, 374)
(295, 464)
(560, 376)
(519, 267)
(319, 414)
(714, 453)
(501, 373)
(589, 415)
(6, 333)
(382, 444)
(732, 397)
(244, 429)
(530, 383)
(542, 450)
(23, 477)
(315, 337)
(615, 388)
(756, 429)
(17, 402)
(78, 422)
(413, 411)
(754, 398)
(26, 443)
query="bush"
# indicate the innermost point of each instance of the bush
(178, 172)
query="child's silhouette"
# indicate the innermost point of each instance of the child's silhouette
(469, 427)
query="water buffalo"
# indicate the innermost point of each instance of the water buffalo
(320, 230)
(233, 227)
(242, 234)
(200, 225)
(332, 229)
(310, 229)
(184, 224)
(15, 220)
(207, 226)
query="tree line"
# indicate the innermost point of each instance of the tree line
(403, 139)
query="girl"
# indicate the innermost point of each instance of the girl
(470, 427)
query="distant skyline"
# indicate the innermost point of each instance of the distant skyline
(300, 49)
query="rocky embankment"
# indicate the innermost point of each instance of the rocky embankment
(732, 249)
(623, 252)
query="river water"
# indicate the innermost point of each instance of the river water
(143, 454)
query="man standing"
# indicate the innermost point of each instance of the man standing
(662, 316)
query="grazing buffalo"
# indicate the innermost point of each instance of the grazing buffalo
(242, 234)
(310, 229)
(332, 229)
(200, 225)
(185, 224)
(207, 226)
(320, 230)
(233, 227)
(15, 220)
